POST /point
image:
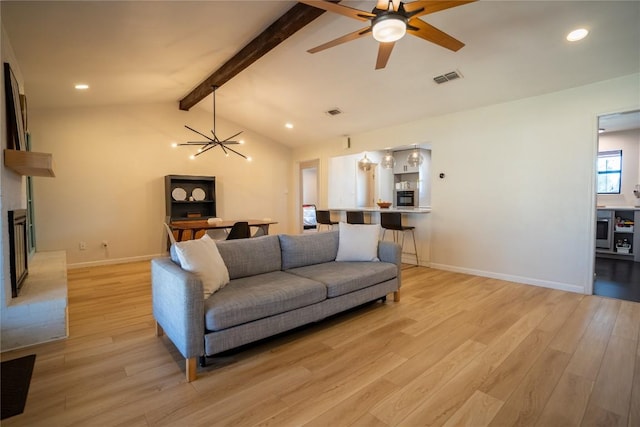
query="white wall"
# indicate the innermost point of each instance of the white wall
(425, 184)
(518, 200)
(110, 164)
(310, 186)
(12, 185)
(629, 142)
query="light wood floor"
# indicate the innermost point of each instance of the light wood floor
(456, 350)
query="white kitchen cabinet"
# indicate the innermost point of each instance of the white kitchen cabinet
(625, 239)
(402, 165)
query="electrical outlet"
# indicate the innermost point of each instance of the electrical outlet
(82, 246)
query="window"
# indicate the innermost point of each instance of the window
(609, 172)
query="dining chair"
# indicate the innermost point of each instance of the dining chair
(172, 238)
(240, 230)
(393, 221)
(262, 230)
(355, 217)
(324, 218)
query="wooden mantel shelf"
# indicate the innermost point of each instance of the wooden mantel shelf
(29, 163)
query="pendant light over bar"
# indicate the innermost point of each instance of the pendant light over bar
(415, 158)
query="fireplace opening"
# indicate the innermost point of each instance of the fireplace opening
(18, 249)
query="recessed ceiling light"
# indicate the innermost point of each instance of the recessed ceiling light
(576, 35)
(82, 86)
(289, 125)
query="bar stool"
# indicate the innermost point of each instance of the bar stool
(355, 217)
(324, 218)
(393, 221)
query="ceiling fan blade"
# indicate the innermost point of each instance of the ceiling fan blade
(346, 38)
(350, 12)
(384, 4)
(384, 52)
(432, 34)
(419, 8)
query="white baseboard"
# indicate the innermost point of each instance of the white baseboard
(511, 278)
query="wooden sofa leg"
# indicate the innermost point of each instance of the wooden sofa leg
(159, 330)
(191, 369)
(396, 296)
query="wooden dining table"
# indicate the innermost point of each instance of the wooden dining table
(195, 226)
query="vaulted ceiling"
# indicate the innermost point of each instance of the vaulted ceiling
(136, 52)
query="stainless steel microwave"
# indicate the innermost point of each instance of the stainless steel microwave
(604, 230)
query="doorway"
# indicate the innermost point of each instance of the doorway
(617, 258)
(309, 190)
(366, 186)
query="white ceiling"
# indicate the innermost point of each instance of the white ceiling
(617, 122)
(134, 52)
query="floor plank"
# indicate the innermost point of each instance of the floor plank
(456, 350)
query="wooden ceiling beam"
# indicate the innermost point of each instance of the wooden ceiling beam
(288, 24)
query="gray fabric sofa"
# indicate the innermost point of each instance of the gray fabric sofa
(278, 282)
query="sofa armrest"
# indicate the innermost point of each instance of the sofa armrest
(391, 252)
(178, 306)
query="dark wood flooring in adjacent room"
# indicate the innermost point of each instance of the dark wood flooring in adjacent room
(617, 278)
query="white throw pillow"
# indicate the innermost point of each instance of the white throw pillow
(202, 257)
(358, 242)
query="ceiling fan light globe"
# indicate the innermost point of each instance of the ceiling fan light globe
(389, 28)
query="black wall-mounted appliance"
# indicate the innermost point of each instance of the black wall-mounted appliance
(406, 198)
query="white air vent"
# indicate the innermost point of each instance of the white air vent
(452, 75)
(333, 112)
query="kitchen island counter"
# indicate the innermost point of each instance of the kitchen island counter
(411, 216)
(405, 210)
(618, 208)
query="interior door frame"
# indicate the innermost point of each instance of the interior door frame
(307, 164)
(594, 213)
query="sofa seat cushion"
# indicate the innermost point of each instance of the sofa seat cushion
(345, 277)
(256, 297)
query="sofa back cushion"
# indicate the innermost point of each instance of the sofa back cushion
(248, 257)
(201, 256)
(308, 249)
